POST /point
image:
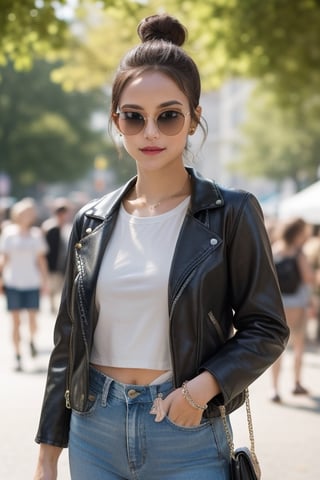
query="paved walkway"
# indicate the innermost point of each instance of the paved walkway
(287, 436)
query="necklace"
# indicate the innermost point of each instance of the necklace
(154, 206)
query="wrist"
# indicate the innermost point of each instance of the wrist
(187, 396)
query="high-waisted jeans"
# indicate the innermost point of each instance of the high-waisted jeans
(118, 439)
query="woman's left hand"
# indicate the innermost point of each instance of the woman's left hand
(178, 409)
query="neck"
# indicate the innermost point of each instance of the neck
(146, 196)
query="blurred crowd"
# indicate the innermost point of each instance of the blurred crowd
(296, 252)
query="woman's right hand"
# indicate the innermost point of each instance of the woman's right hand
(47, 467)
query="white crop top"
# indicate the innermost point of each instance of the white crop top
(132, 291)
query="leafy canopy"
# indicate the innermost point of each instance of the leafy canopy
(279, 143)
(46, 134)
(274, 40)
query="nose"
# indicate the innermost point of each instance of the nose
(151, 129)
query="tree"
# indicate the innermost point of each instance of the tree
(46, 134)
(29, 29)
(274, 40)
(280, 143)
(277, 41)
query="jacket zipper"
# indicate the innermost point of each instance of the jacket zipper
(67, 393)
(170, 318)
(216, 325)
(67, 398)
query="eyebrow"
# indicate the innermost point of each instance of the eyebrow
(162, 105)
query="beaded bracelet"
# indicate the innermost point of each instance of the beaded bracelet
(187, 396)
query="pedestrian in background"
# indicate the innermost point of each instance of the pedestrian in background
(159, 274)
(56, 230)
(312, 250)
(24, 265)
(289, 245)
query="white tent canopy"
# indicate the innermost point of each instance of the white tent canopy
(304, 204)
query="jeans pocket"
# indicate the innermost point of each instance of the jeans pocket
(92, 401)
(203, 424)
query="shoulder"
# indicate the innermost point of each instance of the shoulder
(105, 206)
(207, 193)
(36, 232)
(97, 211)
(49, 224)
(239, 203)
(10, 230)
(234, 196)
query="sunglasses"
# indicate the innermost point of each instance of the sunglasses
(169, 122)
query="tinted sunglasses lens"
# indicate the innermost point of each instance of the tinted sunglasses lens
(170, 123)
(130, 123)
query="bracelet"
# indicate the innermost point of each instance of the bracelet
(187, 396)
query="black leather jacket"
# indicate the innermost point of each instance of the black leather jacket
(222, 278)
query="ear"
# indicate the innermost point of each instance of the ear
(194, 124)
(115, 119)
(198, 112)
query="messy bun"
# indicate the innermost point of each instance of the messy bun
(162, 27)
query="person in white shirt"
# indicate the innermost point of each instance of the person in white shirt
(25, 272)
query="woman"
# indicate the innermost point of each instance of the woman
(293, 235)
(25, 272)
(159, 273)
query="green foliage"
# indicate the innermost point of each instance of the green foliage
(29, 29)
(280, 143)
(278, 41)
(45, 133)
(274, 40)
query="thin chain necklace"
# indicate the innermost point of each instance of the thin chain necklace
(154, 206)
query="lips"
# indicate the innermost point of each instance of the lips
(151, 150)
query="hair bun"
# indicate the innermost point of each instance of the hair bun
(162, 27)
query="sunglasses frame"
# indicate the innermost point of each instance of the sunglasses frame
(116, 117)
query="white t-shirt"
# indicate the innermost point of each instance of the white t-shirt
(21, 271)
(132, 291)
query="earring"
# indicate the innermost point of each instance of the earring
(192, 130)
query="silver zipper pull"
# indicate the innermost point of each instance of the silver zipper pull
(67, 398)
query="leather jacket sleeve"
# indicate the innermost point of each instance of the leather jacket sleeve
(55, 416)
(261, 332)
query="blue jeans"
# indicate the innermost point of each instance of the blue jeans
(118, 439)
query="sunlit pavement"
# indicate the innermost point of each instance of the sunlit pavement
(287, 435)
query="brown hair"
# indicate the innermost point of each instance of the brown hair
(162, 37)
(292, 229)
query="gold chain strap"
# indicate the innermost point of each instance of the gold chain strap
(250, 427)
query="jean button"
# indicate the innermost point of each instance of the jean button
(133, 393)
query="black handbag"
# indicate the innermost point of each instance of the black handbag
(244, 464)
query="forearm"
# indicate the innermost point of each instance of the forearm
(203, 388)
(43, 268)
(47, 465)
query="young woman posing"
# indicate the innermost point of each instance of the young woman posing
(160, 273)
